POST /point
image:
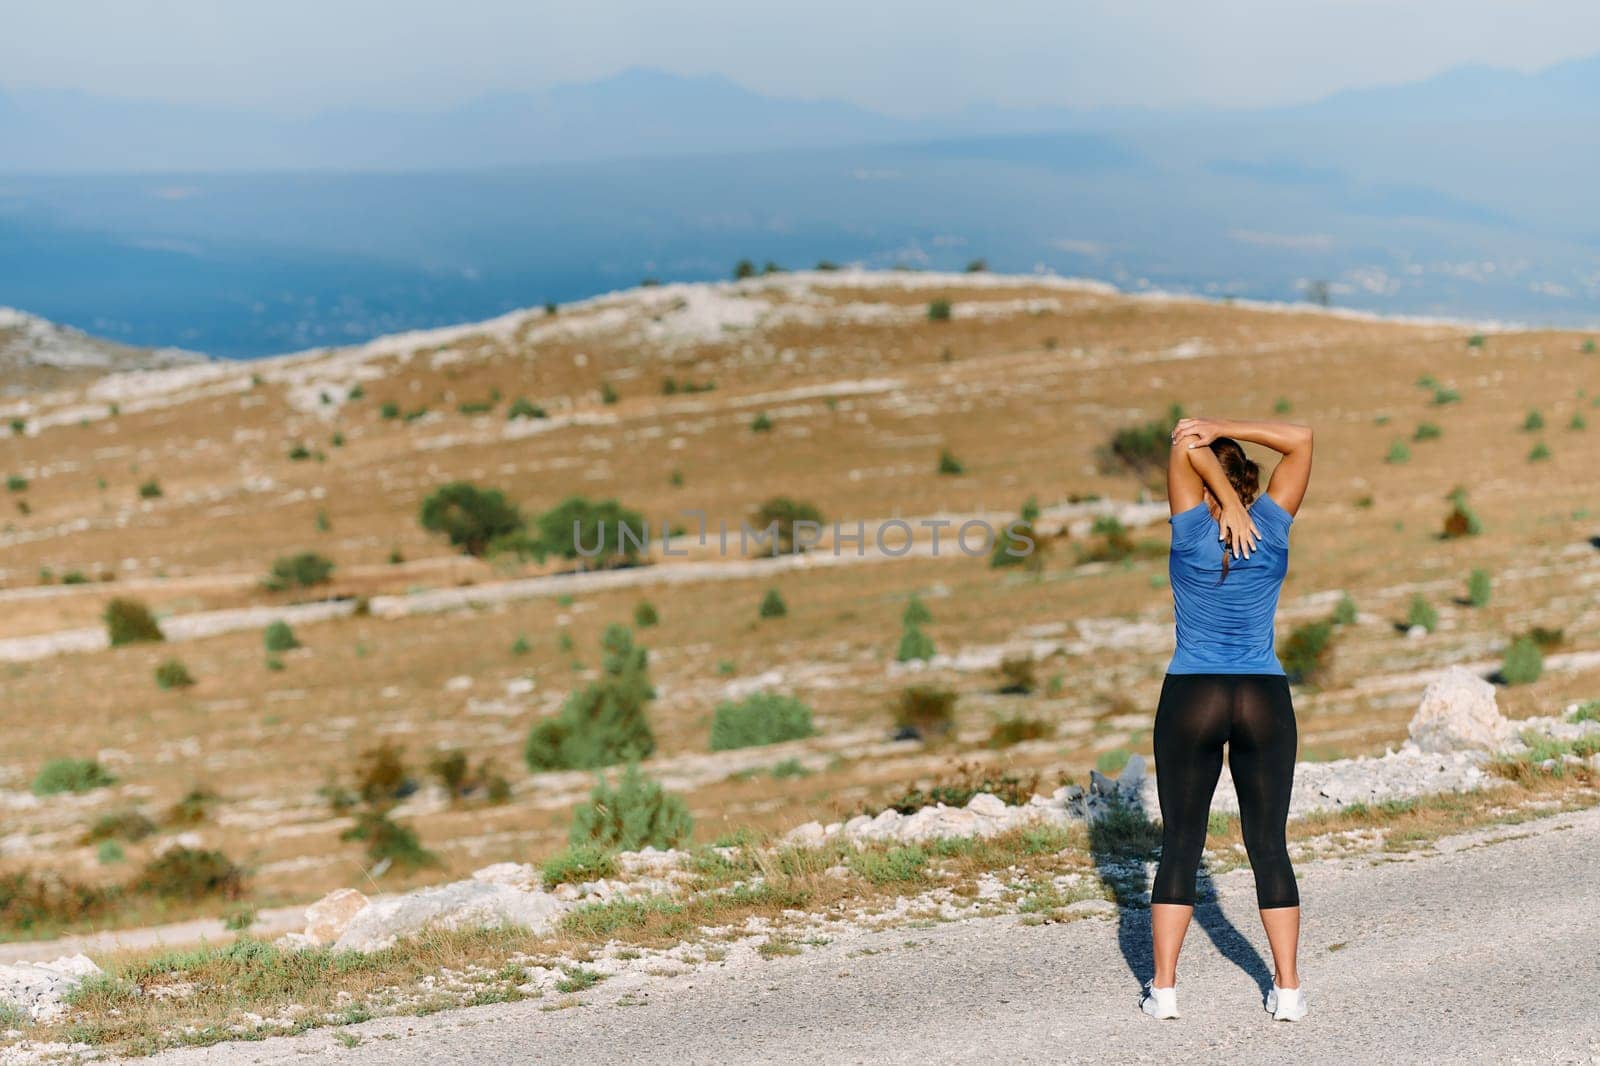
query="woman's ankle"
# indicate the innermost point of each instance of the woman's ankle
(1287, 985)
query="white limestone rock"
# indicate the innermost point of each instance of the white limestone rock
(1458, 713)
(327, 918)
(462, 905)
(38, 989)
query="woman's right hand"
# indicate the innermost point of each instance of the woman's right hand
(1238, 530)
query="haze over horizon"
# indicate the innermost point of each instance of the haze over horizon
(903, 59)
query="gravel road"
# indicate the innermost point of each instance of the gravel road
(1484, 952)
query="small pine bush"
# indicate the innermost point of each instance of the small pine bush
(1282, 406)
(916, 612)
(772, 605)
(387, 839)
(914, 645)
(191, 873)
(1541, 451)
(1427, 431)
(1017, 676)
(630, 815)
(1140, 449)
(608, 393)
(939, 310)
(278, 637)
(522, 407)
(1016, 729)
(520, 646)
(303, 570)
(1421, 613)
(1307, 654)
(950, 466)
(1477, 340)
(193, 808)
(644, 614)
(128, 825)
(1523, 662)
(173, 674)
(1461, 521)
(1443, 396)
(1398, 453)
(1533, 422)
(761, 423)
(1578, 423)
(762, 718)
(1344, 612)
(928, 709)
(603, 723)
(150, 490)
(1478, 588)
(16, 483)
(130, 622)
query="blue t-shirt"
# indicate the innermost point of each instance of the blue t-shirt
(1227, 628)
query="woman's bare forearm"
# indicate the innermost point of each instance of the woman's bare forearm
(1205, 463)
(1281, 437)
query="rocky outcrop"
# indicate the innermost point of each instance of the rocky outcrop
(327, 919)
(39, 989)
(461, 905)
(1458, 713)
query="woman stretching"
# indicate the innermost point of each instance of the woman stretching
(1225, 688)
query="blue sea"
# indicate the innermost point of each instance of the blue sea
(249, 265)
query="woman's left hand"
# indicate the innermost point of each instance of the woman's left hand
(1196, 432)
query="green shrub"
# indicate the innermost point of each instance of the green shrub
(469, 516)
(460, 781)
(71, 775)
(1282, 406)
(916, 612)
(302, 570)
(1577, 423)
(607, 533)
(193, 808)
(1588, 711)
(1427, 431)
(1111, 762)
(382, 776)
(1344, 612)
(777, 519)
(1010, 544)
(130, 622)
(1477, 340)
(389, 411)
(967, 781)
(1016, 728)
(279, 637)
(1539, 452)
(939, 310)
(630, 815)
(1398, 453)
(914, 645)
(603, 723)
(16, 483)
(1523, 662)
(173, 674)
(1307, 654)
(1421, 613)
(190, 873)
(521, 407)
(1547, 638)
(1140, 449)
(928, 709)
(761, 718)
(520, 646)
(950, 465)
(129, 825)
(1443, 396)
(298, 452)
(772, 605)
(744, 268)
(108, 852)
(761, 423)
(30, 901)
(389, 840)
(1533, 422)
(644, 614)
(608, 393)
(1478, 588)
(894, 866)
(577, 864)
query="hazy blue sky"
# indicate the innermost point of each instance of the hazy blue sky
(903, 56)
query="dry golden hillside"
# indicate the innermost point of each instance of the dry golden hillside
(1024, 385)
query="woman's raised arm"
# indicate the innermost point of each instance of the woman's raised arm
(1293, 472)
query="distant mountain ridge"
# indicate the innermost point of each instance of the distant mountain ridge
(654, 114)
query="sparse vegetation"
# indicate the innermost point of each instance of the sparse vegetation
(1461, 521)
(303, 570)
(1308, 653)
(1016, 728)
(915, 645)
(127, 825)
(1398, 453)
(760, 718)
(130, 622)
(949, 465)
(789, 525)
(644, 614)
(1478, 588)
(1421, 613)
(772, 605)
(598, 533)
(1141, 449)
(278, 637)
(191, 873)
(1344, 612)
(939, 310)
(634, 813)
(1523, 662)
(522, 407)
(1533, 422)
(1017, 676)
(469, 516)
(603, 723)
(927, 710)
(172, 674)
(579, 863)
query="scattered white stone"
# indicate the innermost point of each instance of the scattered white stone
(39, 988)
(1416, 632)
(1458, 713)
(459, 683)
(516, 874)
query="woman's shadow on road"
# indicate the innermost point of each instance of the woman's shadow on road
(1121, 839)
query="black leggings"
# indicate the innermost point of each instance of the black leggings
(1253, 715)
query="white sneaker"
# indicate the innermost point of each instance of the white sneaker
(1160, 1002)
(1286, 1004)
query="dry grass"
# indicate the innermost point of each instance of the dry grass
(1026, 419)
